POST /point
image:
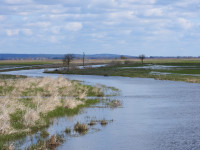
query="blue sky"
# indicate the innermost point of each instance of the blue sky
(132, 27)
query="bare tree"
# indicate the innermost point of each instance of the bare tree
(83, 59)
(142, 57)
(122, 57)
(67, 60)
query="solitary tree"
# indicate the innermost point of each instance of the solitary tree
(122, 57)
(67, 60)
(83, 59)
(142, 57)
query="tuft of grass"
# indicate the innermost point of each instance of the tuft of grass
(28, 102)
(92, 123)
(80, 128)
(16, 119)
(44, 133)
(104, 122)
(115, 103)
(6, 138)
(67, 130)
(40, 145)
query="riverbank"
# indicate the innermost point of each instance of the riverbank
(187, 71)
(28, 104)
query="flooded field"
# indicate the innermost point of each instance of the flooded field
(155, 115)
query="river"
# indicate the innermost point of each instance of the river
(156, 115)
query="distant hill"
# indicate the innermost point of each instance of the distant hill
(91, 56)
(57, 56)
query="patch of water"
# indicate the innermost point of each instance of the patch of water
(155, 115)
(159, 67)
(167, 73)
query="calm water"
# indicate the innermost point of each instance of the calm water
(156, 115)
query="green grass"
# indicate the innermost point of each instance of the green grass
(32, 91)
(183, 67)
(67, 130)
(11, 137)
(61, 111)
(44, 134)
(5, 90)
(28, 102)
(5, 76)
(16, 119)
(183, 71)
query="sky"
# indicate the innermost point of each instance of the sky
(126, 27)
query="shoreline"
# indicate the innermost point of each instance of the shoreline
(62, 109)
(133, 73)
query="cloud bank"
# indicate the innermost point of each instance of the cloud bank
(152, 27)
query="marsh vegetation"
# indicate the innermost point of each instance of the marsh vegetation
(28, 104)
(176, 70)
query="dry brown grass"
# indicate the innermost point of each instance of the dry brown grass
(42, 95)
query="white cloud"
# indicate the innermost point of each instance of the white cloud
(106, 21)
(138, 1)
(2, 18)
(53, 39)
(12, 32)
(110, 23)
(105, 3)
(73, 26)
(121, 15)
(27, 32)
(56, 30)
(153, 12)
(186, 24)
(42, 24)
(98, 35)
(18, 1)
(187, 3)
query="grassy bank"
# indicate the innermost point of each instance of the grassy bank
(28, 104)
(185, 70)
(6, 76)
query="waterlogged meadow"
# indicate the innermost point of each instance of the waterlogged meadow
(28, 104)
(175, 70)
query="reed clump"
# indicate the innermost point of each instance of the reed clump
(80, 128)
(104, 122)
(92, 123)
(67, 130)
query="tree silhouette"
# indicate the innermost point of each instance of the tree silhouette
(67, 60)
(83, 59)
(142, 57)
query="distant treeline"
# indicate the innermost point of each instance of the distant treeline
(76, 56)
(58, 56)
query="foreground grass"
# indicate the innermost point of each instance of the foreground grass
(27, 105)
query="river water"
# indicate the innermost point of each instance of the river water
(156, 115)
